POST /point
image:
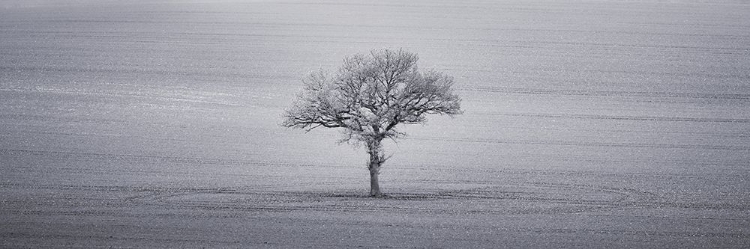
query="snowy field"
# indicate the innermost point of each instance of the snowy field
(601, 124)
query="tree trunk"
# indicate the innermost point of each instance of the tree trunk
(377, 158)
(374, 186)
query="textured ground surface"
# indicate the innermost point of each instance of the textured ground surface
(587, 124)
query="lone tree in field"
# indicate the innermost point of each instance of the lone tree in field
(369, 97)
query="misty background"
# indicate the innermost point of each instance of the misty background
(647, 97)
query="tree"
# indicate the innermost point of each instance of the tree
(369, 96)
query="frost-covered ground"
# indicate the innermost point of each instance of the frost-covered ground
(587, 124)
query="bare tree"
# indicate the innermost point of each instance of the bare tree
(368, 97)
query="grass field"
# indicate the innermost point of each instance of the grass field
(587, 124)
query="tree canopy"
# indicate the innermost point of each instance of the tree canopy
(369, 96)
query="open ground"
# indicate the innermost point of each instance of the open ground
(587, 124)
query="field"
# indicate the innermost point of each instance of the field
(595, 124)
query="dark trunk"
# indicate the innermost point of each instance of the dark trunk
(374, 186)
(376, 159)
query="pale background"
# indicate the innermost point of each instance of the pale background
(587, 124)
